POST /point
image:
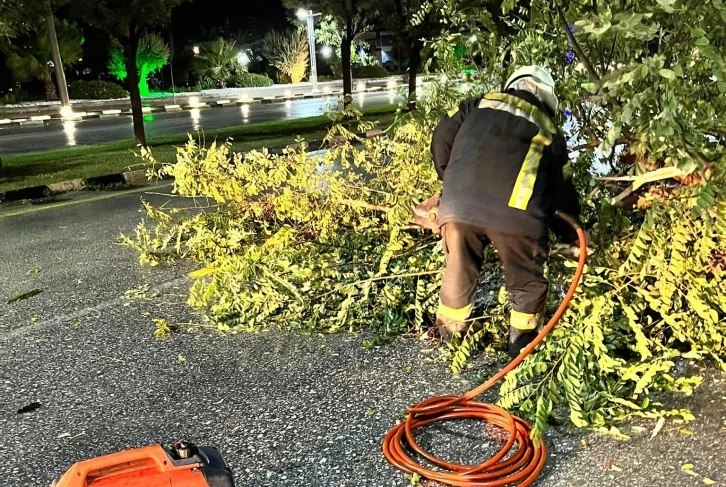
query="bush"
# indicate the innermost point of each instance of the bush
(243, 79)
(328, 77)
(366, 72)
(177, 89)
(288, 52)
(217, 61)
(19, 96)
(95, 90)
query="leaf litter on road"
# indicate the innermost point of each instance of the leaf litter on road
(29, 408)
(24, 296)
(658, 426)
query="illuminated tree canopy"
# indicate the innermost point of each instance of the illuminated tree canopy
(152, 55)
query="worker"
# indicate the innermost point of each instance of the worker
(501, 160)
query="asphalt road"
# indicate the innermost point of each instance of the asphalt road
(56, 134)
(286, 409)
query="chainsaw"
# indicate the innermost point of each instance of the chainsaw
(182, 465)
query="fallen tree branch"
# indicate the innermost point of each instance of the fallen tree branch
(363, 204)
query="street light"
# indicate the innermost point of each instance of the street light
(327, 51)
(309, 16)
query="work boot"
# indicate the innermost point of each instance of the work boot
(518, 339)
(447, 328)
(523, 329)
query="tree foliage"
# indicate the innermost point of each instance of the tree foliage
(127, 22)
(398, 16)
(31, 57)
(324, 242)
(217, 61)
(289, 53)
(329, 33)
(152, 55)
(353, 17)
(13, 20)
(20, 17)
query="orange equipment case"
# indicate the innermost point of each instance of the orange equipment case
(184, 465)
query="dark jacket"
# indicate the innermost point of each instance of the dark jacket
(501, 160)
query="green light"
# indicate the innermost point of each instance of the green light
(83, 40)
(148, 118)
(153, 53)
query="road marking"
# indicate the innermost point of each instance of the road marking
(82, 313)
(87, 200)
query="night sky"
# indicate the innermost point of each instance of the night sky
(197, 19)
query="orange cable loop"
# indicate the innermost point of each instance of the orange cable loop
(524, 465)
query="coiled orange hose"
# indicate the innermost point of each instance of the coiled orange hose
(521, 467)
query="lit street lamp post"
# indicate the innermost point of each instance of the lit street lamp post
(309, 16)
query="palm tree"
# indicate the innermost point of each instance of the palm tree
(217, 60)
(34, 58)
(153, 54)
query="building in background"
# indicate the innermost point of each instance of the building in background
(383, 49)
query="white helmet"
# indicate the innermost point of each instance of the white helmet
(536, 80)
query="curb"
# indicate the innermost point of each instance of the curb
(138, 177)
(220, 103)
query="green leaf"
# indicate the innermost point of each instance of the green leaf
(627, 115)
(33, 271)
(598, 31)
(697, 32)
(589, 87)
(667, 5)
(203, 272)
(667, 73)
(702, 41)
(25, 295)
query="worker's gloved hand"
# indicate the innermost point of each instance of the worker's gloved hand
(569, 250)
(572, 249)
(425, 214)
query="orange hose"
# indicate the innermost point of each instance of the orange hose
(521, 467)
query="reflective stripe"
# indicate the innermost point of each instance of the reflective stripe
(520, 108)
(454, 314)
(524, 186)
(452, 112)
(527, 177)
(524, 321)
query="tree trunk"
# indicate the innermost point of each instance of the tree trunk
(131, 47)
(144, 83)
(347, 72)
(60, 75)
(413, 66)
(50, 92)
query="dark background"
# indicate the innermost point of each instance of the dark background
(245, 21)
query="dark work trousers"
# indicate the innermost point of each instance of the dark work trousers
(523, 259)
